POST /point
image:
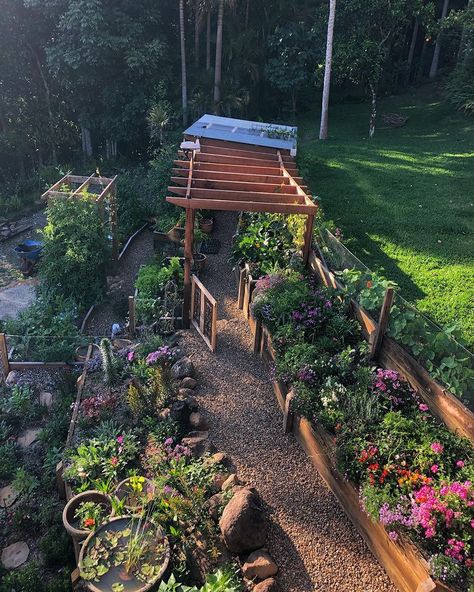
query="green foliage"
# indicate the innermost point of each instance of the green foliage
(9, 456)
(24, 482)
(147, 399)
(75, 251)
(223, 580)
(148, 344)
(265, 242)
(56, 548)
(47, 330)
(152, 278)
(25, 579)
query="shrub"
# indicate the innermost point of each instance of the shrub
(46, 331)
(56, 548)
(75, 250)
(152, 278)
(8, 454)
(27, 579)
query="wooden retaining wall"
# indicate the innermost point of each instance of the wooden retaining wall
(403, 563)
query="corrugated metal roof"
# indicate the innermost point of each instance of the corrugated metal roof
(272, 135)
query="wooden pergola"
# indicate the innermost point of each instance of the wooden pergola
(237, 177)
(106, 190)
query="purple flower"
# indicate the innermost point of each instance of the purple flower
(163, 355)
(437, 448)
(423, 407)
(393, 535)
(131, 356)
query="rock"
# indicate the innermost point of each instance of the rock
(46, 399)
(243, 524)
(177, 353)
(219, 458)
(179, 411)
(198, 421)
(184, 393)
(214, 504)
(164, 413)
(198, 561)
(12, 378)
(8, 496)
(269, 585)
(230, 482)
(28, 437)
(219, 480)
(182, 368)
(188, 383)
(198, 443)
(192, 403)
(259, 565)
(15, 555)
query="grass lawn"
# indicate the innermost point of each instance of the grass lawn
(403, 200)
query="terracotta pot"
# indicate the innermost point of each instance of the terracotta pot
(206, 225)
(117, 573)
(199, 261)
(124, 488)
(70, 508)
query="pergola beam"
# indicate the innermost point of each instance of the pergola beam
(273, 188)
(239, 177)
(224, 194)
(231, 168)
(242, 206)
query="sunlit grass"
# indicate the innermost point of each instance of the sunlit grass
(405, 199)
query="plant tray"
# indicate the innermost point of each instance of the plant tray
(210, 246)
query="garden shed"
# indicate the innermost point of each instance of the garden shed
(242, 166)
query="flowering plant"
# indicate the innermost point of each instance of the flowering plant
(93, 407)
(163, 356)
(90, 515)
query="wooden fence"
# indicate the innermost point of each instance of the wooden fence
(204, 313)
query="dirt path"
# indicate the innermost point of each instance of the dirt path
(312, 541)
(115, 308)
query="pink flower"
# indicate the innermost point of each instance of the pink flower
(437, 447)
(434, 468)
(460, 464)
(423, 407)
(114, 461)
(131, 356)
(393, 535)
(120, 439)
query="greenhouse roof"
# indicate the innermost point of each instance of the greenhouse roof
(270, 135)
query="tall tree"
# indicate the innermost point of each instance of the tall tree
(437, 49)
(323, 130)
(218, 62)
(184, 83)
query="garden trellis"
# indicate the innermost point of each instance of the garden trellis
(75, 187)
(240, 166)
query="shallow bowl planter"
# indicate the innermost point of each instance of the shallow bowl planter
(206, 225)
(121, 343)
(124, 490)
(156, 560)
(81, 353)
(71, 523)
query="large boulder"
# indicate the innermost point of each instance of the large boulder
(188, 383)
(198, 422)
(243, 524)
(269, 585)
(198, 443)
(259, 565)
(182, 368)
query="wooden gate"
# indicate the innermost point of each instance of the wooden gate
(204, 313)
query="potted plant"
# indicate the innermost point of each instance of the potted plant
(126, 553)
(85, 512)
(135, 492)
(199, 262)
(206, 222)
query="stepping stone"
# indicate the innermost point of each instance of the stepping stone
(8, 496)
(15, 555)
(28, 437)
(46, 399)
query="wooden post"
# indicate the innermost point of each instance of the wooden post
(382, 324)
(131, 317)
(240, 298)
(289, 416)
(308, 237)
(4, 354)
(257, 338)
(60, 481)
(188, 257)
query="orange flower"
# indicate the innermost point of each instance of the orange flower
(369, 284)
(89, 522)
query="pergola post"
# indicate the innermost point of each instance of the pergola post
(188, 258)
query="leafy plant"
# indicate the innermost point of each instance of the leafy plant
(109, 365)
(90, 514)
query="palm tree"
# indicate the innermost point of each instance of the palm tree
(323, 130)
(158, 118)
(184, 84)
(437, 49)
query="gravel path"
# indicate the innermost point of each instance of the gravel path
(121, 286)
(312, 541)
